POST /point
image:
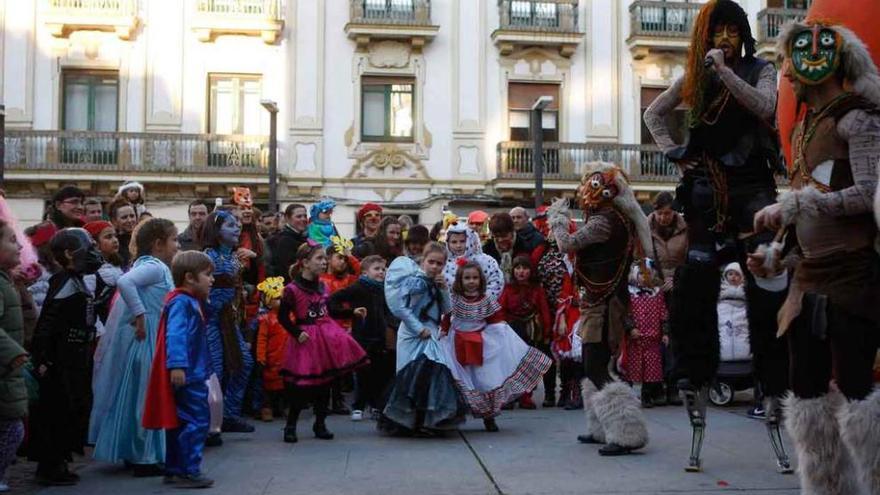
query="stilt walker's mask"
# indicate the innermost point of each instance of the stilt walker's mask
(599, 189)
(815, 54)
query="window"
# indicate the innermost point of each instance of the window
(234, 109)
(89, 103)
(520, 98)
(387, 109)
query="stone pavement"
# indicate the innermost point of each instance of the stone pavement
(534, 453)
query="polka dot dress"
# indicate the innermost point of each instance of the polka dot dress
(643, 361)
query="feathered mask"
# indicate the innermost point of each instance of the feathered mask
(272, 288)
(341, 245)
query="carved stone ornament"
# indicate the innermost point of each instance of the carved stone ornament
(389, 161)
(389, 54)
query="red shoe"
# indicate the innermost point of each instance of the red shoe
(526, 402)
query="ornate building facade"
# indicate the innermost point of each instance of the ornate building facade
(414, 103)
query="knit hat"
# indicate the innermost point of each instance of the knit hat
(68, 192)
(368, 208)
(732, 267)
(95, 228)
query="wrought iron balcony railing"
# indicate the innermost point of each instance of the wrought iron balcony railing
(553, 16)
(567, 161)
(770, 22)
(662, 19)
(133, 152)
(392, 12)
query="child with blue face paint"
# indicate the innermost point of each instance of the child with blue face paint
(231, 359)
(321, 227)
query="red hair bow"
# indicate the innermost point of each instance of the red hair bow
(461, 262)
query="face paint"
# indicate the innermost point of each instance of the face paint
(815, 54)
(230, 231)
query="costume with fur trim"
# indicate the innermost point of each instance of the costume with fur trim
(473, 252)
(615, 228)
(832, 312)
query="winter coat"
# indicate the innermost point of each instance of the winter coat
(525, 305)
(271, 343)
(733, 326)
(13, 391)
(672, 252)
(369, 331)
(284, 246)
(188, 241)
(531, 237)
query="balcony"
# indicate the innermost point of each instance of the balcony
(658, 27)
(127, 153)
(552, 23)
(646, 166)
(770, 22)
(238, 17)
(408, 20)
(63, 17)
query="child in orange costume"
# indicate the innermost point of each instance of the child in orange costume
(271, 343)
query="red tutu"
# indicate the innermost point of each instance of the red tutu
(329, 353)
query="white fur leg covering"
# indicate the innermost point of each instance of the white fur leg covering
(617, 408)
(594, 427)
(824, 464)
(860, 428)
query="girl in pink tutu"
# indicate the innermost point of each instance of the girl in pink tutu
(319, 350)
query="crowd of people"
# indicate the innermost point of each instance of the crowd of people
(121, 333)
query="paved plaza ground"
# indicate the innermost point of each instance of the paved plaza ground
(534, 453)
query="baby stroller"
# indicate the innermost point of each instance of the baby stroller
(735, 369)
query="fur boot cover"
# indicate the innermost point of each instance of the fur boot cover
(825, 466)
(860, 427)
(594, 427)
(617, 408)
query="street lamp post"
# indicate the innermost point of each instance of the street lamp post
(537, 131)
(272, 108)
(2, 142)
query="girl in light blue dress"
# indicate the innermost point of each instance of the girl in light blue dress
(125, 355)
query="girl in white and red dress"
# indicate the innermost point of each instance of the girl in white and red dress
(643, 354)
(320, 350)
(490, 363)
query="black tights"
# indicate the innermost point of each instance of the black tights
(300, 397)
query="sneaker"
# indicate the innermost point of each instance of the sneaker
(213, 440)
(236, 425)
(194, 481)
(357, 415)
(3, 487)
(756, 412)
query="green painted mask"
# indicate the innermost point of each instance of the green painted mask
(815, 54)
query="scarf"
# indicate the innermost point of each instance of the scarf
(371, 284)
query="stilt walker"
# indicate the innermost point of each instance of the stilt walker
(727, 166)
(615, 227)
(832, 312)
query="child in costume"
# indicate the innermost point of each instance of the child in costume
(321, 227)
(491, 364)
(134, 193)
(525, 305)
(320, 350)
(424, 399)
(463, 243)
(364, 304)
(125, 355)
(342, 271)
(271, 344)
(62, 357)
(231, 359)
(13, 356)
(103, 283)
(177, 399)
(643, 354)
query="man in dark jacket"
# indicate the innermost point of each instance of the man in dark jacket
(504, 245)
(285, 243)
(525, 231)
(193, 237)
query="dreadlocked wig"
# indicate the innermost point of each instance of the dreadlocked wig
(697, 78)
